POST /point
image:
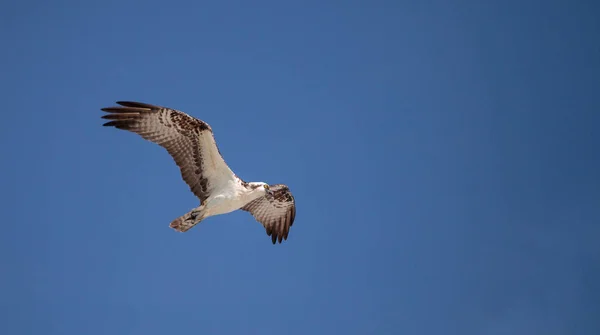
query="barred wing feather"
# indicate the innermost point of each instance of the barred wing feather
(276, 214)
(188, 140)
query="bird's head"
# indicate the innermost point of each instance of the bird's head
(262, 188)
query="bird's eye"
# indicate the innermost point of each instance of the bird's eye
(266, 187)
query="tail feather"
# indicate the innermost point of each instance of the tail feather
(187, 221)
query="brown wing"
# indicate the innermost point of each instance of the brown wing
(276, 214)
(188, 140)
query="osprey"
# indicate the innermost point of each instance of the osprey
(192, 145)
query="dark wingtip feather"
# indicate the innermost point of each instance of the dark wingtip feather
(122, 116)
(125, 110)
(109, 124)
(136, 104)
(119, 124)
(293, 218)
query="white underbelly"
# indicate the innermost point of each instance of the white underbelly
(223, 205)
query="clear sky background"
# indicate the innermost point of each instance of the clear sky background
(443, 155)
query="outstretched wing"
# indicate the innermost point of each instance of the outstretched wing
(188, 140)
(276, 214)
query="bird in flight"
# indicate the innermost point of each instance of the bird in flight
(192, 145)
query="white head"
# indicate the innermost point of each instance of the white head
(260, 188)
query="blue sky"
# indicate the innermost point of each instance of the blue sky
(443, 156)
